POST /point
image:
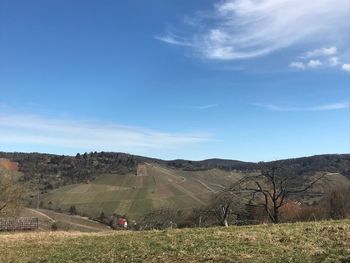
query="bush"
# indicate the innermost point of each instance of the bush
(72, 210)
(338, 201)
(54, 226)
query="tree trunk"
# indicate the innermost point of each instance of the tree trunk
(275, 212)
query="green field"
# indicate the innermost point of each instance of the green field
(154, 187)
(327, 241)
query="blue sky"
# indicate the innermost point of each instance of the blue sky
(239, 79)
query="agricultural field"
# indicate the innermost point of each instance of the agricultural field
(327, 241)
(133, 195)
(154, 187)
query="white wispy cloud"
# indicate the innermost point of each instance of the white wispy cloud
(36, 130)
(200, 107)
(174, 40)
(317, 58)
(241, 29)
(297, 65)
(334, 106)
(314, 63)
(323, 107)
(326, 51)
(346, 67)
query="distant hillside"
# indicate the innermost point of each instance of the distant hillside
(332, 163)
(52, 171)
(133, 185)
(153, 187)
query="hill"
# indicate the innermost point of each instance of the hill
(153, 187)
(52, 171)
(133, 185)
(326, 241)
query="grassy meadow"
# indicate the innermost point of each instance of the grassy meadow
(327, 241)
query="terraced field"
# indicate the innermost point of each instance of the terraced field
(153, 187)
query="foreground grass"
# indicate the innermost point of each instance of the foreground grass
(327, 241)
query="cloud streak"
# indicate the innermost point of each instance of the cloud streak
(173, 40)
(330, 51)
(324, 107)
(35, 130)
(201, 107)
(242, 29)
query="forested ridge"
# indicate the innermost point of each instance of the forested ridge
(52, 171)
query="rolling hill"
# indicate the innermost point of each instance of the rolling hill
(153, 187)
(133, 185)
(52, 171)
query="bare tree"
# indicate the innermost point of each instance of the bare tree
(224, 205)
(272, 188)
(338, 202)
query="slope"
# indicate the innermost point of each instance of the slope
(62, 221)
(154, 187)
(307, 242)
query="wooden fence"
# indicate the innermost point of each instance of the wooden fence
(21, 223)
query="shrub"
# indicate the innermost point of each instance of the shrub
(54, 226)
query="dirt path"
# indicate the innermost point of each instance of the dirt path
(42, 214)
(84, 226)
(206, 186)
(167, 172)
(218, 185)
(68, 220)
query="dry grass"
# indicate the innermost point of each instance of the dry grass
(327, 241)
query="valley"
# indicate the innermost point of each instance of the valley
(70, 190)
